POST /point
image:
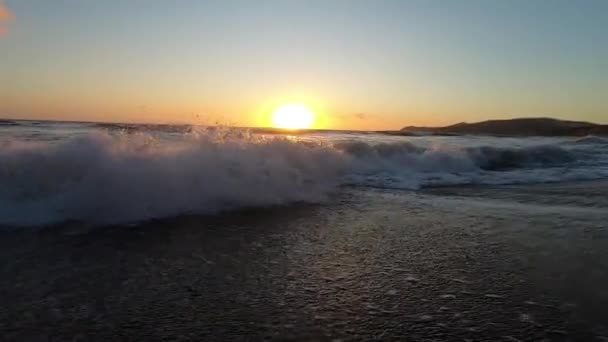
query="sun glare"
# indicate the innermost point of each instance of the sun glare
(293, 116)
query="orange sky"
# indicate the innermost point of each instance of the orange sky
(358, 65)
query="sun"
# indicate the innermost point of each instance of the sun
(293, 116)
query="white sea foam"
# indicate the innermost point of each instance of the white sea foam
(106, 177)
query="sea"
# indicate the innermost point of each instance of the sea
(100, 173)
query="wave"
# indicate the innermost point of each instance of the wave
(446, 158)
(592, 139)
(108, 179)
(120, 177)
(127, 127)
(497, 159)
(5, 122)
(405, 165)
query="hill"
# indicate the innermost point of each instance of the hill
(517, 127)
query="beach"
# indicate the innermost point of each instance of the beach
(303, 170)
(521, 262)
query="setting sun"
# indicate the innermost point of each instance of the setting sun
(293, 116)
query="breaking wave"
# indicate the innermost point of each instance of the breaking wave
(110, 178)
(405, 165)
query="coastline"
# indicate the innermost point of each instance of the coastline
(492, 263)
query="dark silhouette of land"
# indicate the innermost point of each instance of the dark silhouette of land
(514, 127)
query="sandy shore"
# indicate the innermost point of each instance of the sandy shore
(508, 263)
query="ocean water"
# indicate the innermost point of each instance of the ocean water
(53, 172)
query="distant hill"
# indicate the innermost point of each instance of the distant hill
(516, 127)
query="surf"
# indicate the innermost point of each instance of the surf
(116, 176)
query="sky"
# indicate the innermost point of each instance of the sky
(375, 64)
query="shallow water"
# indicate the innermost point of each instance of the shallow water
(368, 264)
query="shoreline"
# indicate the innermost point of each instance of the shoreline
(371, 264)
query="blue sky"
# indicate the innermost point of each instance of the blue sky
(362, 64)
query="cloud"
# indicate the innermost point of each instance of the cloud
(5, 17)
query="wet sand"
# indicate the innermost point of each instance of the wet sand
(507, 263)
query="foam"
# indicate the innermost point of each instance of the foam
(105, 177)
